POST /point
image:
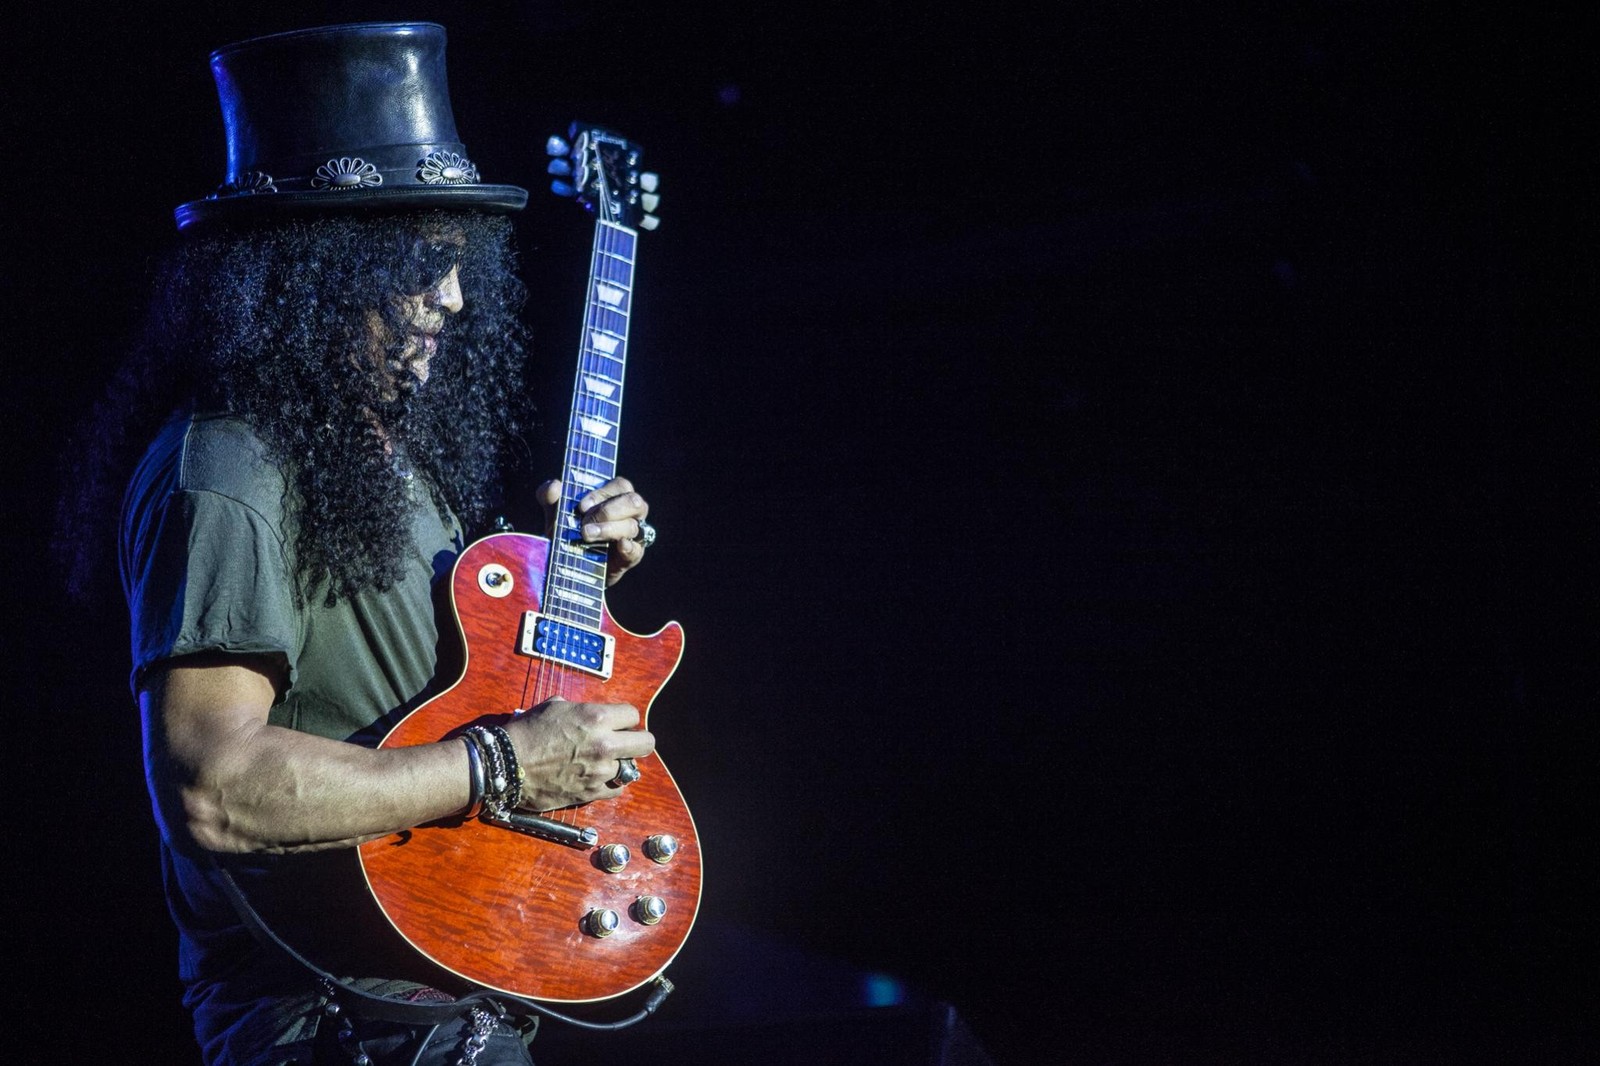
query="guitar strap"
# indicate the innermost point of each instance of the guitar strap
(366, 1004)
(372, 1007)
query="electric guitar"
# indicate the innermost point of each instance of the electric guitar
(589, 902)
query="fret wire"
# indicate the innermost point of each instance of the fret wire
(584, 445)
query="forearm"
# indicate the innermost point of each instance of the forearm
(280, 790)
(223, 780)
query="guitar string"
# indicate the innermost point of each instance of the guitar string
(549, 678)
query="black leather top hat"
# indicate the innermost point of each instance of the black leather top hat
(339, 118)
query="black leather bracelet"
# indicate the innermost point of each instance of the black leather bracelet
(475, 769)
(496, 785)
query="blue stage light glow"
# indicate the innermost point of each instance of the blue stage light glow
(881, 990)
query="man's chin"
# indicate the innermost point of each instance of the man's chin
(419, 354)
(414, 372)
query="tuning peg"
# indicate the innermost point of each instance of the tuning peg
(559, 167)
(561, 188)
(649, 201)
(649, 222)
(556, 146)
(648, 181)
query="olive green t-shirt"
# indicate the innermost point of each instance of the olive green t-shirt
(208, 565)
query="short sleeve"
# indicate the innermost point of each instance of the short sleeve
(206, 572)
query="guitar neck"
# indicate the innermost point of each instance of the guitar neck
(576, 579)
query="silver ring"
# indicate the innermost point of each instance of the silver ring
(647, 533)
(627, 773)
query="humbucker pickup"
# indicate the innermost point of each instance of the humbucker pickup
(550, 638)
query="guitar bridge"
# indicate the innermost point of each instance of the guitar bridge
(586, 649)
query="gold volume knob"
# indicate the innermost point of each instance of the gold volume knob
(613, 858)
(661, 848)
(601, 922)
(649, 910)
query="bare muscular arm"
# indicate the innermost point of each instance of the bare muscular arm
(222, 779)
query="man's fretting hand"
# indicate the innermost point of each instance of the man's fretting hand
(611, 515)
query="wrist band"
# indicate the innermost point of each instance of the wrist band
(475, 778)
(496, 782)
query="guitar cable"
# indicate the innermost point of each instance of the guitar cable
(663, 989)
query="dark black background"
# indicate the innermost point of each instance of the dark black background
(1114, 471)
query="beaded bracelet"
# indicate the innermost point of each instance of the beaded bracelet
(515, 779)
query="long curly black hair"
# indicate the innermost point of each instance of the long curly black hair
(272, 323)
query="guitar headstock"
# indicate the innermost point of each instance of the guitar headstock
(600, 169)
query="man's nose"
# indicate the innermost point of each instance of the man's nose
(447, 294)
